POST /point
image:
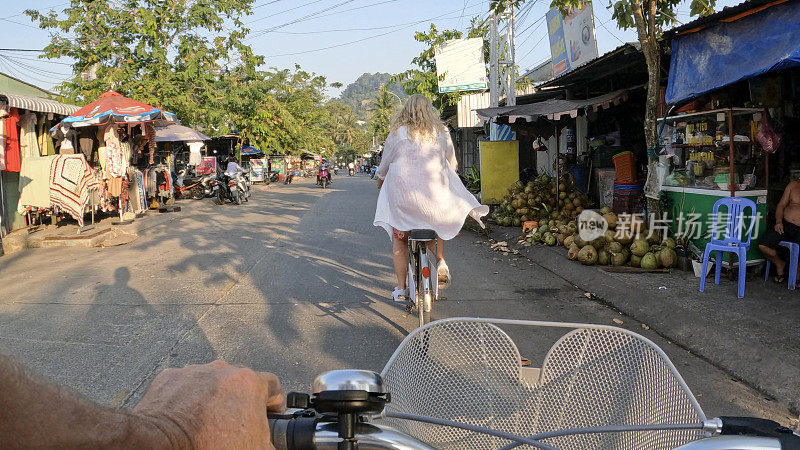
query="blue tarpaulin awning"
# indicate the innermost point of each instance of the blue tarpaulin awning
(249, 150)
(732, 51)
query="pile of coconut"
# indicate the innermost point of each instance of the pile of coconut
(632, 244)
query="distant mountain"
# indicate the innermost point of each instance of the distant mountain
(358, 93)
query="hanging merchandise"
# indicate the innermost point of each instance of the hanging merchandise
(28, 144)
(195, 158)
(136, 191)
(2, 145)
(66, 140)
(35, 192)
(71, 180)
(13, 158)
(115, 166)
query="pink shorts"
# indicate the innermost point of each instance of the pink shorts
(400, 235)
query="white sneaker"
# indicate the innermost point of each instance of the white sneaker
(443, 273)
(399, 295)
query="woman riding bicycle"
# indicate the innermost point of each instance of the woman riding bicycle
(421, 189)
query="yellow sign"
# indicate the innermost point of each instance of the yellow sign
(499, 168)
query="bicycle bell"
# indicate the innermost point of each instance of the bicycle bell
(349, 391)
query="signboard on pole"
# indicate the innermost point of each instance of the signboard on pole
(461, 63)
(572, 38)
(257, 169)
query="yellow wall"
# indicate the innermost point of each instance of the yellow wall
(499, 169)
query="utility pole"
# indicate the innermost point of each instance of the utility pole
(502, 67)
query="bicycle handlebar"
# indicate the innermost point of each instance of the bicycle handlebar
(308, 430)
(302, 431)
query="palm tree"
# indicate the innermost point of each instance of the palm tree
(382, 108)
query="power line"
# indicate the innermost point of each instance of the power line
(281, 12)
(306, 17)
(533, 48)
(458, 25)
(603, 24)
(267, 3)
(23, 12)
(41, 60)
(369, 37)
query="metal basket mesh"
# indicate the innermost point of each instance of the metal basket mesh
(468, 370)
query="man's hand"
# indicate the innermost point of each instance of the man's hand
(779, 227)
(212, 406)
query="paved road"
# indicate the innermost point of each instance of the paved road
(295, 281)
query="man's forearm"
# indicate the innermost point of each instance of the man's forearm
(779, 214)
(34, 413)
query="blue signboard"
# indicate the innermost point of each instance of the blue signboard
(558, 48)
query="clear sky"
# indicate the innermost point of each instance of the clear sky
(342, 40)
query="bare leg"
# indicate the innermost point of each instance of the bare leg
(400, 259)
(437, 247)
(772, 255)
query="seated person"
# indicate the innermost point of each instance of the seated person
(787, 228)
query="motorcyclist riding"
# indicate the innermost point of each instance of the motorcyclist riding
(323, 166)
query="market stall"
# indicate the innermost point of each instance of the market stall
(117, 140)
(186, 143)
(713, 154)
(254, 161)
(26, 157)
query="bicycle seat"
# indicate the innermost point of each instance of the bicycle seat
(422, 235)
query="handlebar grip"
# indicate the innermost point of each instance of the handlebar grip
(292, 432)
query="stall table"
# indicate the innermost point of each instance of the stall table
(689, 200)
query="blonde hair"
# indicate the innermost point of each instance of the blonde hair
(420, 118)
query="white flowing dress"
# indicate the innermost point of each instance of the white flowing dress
(421, 189)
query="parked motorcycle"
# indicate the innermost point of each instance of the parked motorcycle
(188, 187)
(206, 184)
(274, 177)
(235, 188)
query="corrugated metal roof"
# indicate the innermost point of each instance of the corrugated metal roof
(727, 14)
(467, 104)
(39, 104)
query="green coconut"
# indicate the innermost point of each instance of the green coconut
(639, 247)
(636, 261)
(609, 236)
(605, 210)
(614, 247)
(599, 243)
(611, 219)
(669, 243)
(667, 257)
(603, 257)
(572, 254)
(618, 259)
(544, 228)
(550, 240)
(588, 255)
(569, 240)
(649, 261)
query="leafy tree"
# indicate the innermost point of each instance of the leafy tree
(175, 54)
(284, 111)
(424, 79)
